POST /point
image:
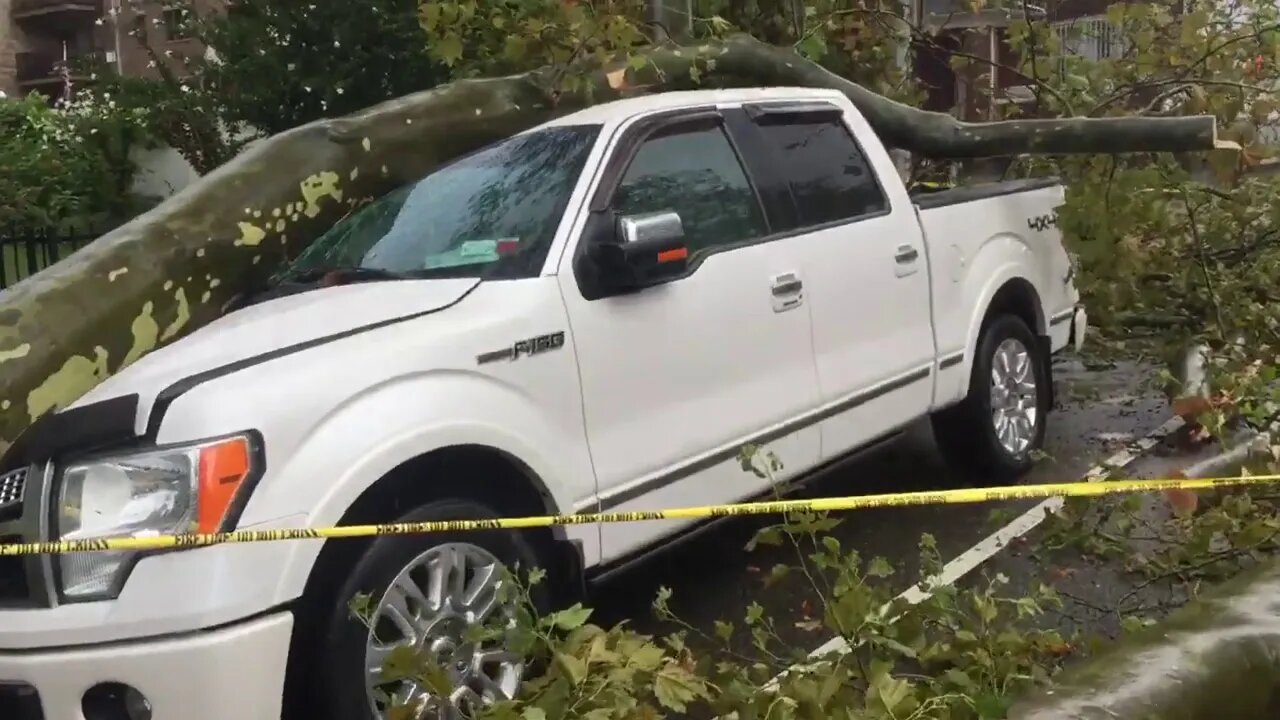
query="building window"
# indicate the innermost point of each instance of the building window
(176, 23)
(1093, 38)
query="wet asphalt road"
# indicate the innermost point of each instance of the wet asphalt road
(713, 577)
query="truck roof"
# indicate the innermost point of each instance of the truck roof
(619, 110)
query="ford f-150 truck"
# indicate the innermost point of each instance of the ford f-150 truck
(595, 314)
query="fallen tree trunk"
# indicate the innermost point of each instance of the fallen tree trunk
(939, 135)
(176, 267)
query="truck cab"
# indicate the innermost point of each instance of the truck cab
(595, 314)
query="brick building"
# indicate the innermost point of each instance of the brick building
(37, 35)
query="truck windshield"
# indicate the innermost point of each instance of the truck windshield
(501, 204)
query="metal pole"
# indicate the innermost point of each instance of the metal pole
(115, 31)
(994, 52)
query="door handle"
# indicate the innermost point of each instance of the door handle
(787, 290)
(906, 254)
(787, 286)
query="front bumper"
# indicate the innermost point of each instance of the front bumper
(234, 672)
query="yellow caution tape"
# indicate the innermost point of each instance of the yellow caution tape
(859, 502)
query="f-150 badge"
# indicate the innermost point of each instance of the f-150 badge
(522, 348)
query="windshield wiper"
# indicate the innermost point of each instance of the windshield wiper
(346, 274)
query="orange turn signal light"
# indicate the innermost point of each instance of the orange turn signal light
(224, 467)
(673, 255)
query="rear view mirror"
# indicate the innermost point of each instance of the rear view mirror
(659, 227)
(646, 250)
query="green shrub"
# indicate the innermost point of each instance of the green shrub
(65, 166)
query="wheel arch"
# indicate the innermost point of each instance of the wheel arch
(495, 477)
(1004, 288)
(1012, 293)
(499, 480)
(1018, 297)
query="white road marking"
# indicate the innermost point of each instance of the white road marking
(970, 559)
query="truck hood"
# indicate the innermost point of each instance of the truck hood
(276, 325)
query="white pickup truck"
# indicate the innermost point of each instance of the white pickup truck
(595, 314)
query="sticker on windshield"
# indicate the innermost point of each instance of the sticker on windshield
(470, 252)
(479, 248)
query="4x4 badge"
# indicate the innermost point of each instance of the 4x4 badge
(521, 348)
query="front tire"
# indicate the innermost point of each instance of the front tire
(999, 426)
(425, 591)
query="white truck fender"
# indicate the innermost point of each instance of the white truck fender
(1001, 259)
(351, 453)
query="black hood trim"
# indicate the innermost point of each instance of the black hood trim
(86, 428)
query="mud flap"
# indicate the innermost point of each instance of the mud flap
(571, 571)
(1046, 363)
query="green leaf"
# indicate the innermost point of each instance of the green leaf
(778, 573)
(674, 687)
(573, 668)
(449, 49)
(895, 646)
(880, 568)
(891, 692)
(533, 713)
(724, 630)
(960, 679)
(404, 661)
(569, 618)
(647, 657)
(990, 706)
(435, 678)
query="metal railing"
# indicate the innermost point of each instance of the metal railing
(40, 67)
(25, 252)
(1092, 38)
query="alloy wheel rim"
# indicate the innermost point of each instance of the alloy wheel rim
(429, 607)
(1014, 401)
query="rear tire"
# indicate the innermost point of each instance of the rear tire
(995, 431)
(438, 579)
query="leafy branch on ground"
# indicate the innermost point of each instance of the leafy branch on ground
(1172, 544)
(958, 654)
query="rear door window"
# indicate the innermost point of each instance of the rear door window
(829, 175)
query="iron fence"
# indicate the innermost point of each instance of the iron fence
(24, 252)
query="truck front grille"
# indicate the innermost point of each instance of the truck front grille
(24, 580)
(12, 485)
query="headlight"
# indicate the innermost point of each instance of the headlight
(162, 492)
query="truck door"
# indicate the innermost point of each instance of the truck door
(866, 269)
(676, 377)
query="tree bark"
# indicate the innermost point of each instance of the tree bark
(935, 134)
(176, 267)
